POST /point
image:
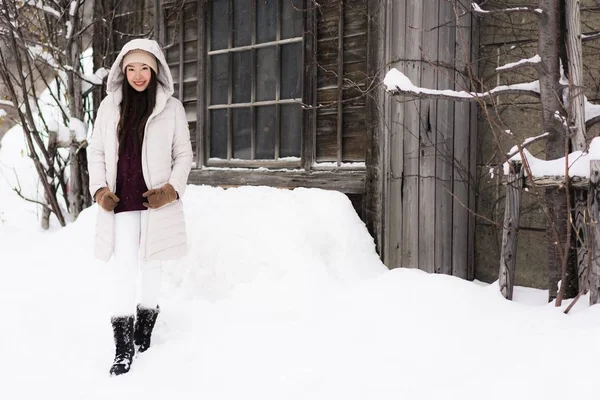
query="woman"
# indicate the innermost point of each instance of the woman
(139, 161)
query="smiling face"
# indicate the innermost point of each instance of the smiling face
(138, 75)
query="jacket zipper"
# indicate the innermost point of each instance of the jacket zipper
(145, 146)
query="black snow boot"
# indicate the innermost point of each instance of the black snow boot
(144, 323)
(123, 332)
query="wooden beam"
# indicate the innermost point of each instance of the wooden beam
(340, 83)
(230, 85)
(413, 40)
(582, 235)
(376, 132)
(576, 182)
(346, 182)
(309, 84)
(392, 130)
(446, 231)
(201, 85)
(427, 237)
(512, 211)
(462, 234)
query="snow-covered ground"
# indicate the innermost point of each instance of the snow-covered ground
(281, 297)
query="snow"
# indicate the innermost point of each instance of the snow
(396, 80)
(40, 5)
(69, 26)
(282, 296)
(591, 110)
(578, 161)
(93, 79)
(347, 164)
(76, 129)
(533, 60)
(478, 9)
(6, 103)
(40, 52)
(73, 8)
(3, 113)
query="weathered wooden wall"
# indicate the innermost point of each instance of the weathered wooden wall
(428, 189)
(342, 80)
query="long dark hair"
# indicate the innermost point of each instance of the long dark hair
(136, 108)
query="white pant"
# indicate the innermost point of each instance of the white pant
(126, 264)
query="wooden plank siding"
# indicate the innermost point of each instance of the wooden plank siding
(342, 80)
(427, 137)
(395, 129)
(462, 203)
(444, 136)
(413, 40)
(429, 181)
(376, 139)
(473, 27)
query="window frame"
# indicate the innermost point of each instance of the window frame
(310, 174)
(308, 95)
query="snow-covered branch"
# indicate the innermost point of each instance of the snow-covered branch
(528, 62)
(73, 11)
(6, 103)
(578, 162)
(512, 10)
(529, 141)
(398, 83)
(592, 113)
(44, 7)
(589, 36)
(40, 53)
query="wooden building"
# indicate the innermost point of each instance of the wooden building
(287, 93)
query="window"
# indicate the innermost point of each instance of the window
(254, 79)
(274, 83)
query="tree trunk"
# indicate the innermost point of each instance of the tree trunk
(79, 197)
(576, 118)
(549, 47)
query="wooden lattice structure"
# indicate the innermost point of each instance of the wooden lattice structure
(585, 217)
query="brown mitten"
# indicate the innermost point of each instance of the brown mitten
(161, 196)
(106, 199)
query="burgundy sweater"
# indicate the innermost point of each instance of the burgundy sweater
(130, 180)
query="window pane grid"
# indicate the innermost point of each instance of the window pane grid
(262, 111)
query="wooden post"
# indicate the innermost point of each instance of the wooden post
(594, 240)
(576, 115)
(581, 237)
(512, 211)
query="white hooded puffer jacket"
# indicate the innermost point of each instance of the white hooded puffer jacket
(166, 158)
